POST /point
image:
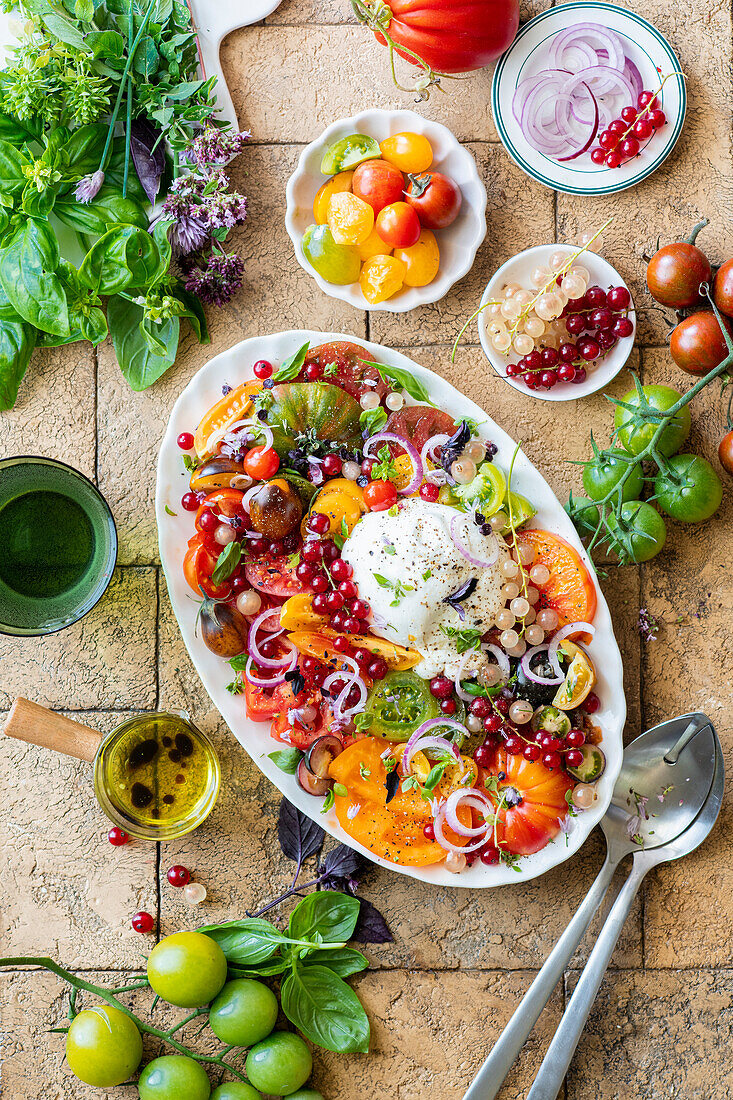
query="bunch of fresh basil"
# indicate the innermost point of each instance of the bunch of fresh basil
(314, 958)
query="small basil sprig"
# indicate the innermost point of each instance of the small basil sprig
(291, 367)
(411, 385)
(227, 562)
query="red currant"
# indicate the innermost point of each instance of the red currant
(618, 297)
(598, 156)
(622, 327)
(311, 552)
(580, 375)
(548, 378)
(483, 755)
(657, 119)
(531, 752)
(320, 583)
(595, 297)
(512, 370)
(367, 466)
(190, 502)
(185, 441)
(618, 126)
(313, 372)
(332, 465)
(566, 372)
(605, 339)
(645, 98)
(592, 703)
(480, 707)
(589, 348)
(534, 360)
(179, 875)
(628, 114)
(143, 922)
(568, 353)
(629, 147)
(428, 831)
(489, 855)
(208, 521)
(613, 160)
(117, 837)
(360, 608)
(448, 706)
(262, 369)
(304, 570)
(531, 379)
(352, 625)
(341, 571)
(502, 705)
(430, 492)
(601, 318)
(575, 324)
(334, 601)
(607, 140)
(549, 357)
(329, 551)
(573, 758)
(514, 745)
(643, 129)
(441, 687)
(320, 605)
(318, 522)
(575, 738)
(346, 588)
(342, 644)
(551, 759)
(378, 668)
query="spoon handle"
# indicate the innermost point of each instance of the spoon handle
(488, 1081)
(549, 1079)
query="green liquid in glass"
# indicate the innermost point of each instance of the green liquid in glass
(48, 544)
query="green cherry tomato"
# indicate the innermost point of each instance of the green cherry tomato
(244, 1013)
(336, 263)
(279, 1064)
(348, 152)
(173, 1077)
(602, 475)
(187, 969)
(584, 514)
(236, 1090)
(306, 1094)
(648, 536)
(636, 437)
(103, 1046)
(689, 489)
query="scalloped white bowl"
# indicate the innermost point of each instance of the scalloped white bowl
(458, 243)
(231, 368)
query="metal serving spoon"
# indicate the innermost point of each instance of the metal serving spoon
(679, 754)
(548, 1081)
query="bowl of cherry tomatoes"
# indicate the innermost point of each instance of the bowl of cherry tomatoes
(386, 210)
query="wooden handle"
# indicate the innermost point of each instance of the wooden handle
(39, 726)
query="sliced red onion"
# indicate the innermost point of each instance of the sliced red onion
(272, 681)
(457, 849)
(219, 434)
(601, 80)
(241, 482)
(412, 454)
(304, 716)
(425, 744)
(462, 671)
(249, 494)
(430, 445)
(424, 731)
(351, 681)
(560, 635)
(267, 662)
(592, 128)
(502, 658)
(481, 563)
(591, 34)
(632, 74)
(535, 677)
(476, 800)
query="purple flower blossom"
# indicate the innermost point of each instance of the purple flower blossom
(648, 626)
(215, 146)
(188, 234)
(88, 187)
(219, 280)
(199, 206)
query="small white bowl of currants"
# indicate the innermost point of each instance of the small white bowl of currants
(557, 322)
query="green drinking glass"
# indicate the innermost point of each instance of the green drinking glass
(58, 545)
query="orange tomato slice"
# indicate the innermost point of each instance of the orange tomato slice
(394, 831)
(570, 591)
(232, 407)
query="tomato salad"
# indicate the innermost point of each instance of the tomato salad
(419, 651)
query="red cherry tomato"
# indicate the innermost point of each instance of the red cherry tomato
(261, 463)
(378, 183)
(725, 452)
(436, 198)
(198, 565)
(398, 225)
(380, 495)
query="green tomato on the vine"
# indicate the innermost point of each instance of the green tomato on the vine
(584, 514)
(688, 489)
(173, 1077)
(244, 1013)
(306, 1094)
(103, 1046)
(635, 437)
(187, 969)
(235, 1090)
(280, 1064)
(648, 536)
(602, 475)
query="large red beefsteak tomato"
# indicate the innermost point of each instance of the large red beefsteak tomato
(453, 36)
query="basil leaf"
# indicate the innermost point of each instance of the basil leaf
(227, 562)
(411, 385)
(17, 341)
(16, 132)
(291, 368)
(246, 941)
(194, 314)
(28, 275)
(287, 760)
(108, 45)
(299, 836)
(325, 1009)
(373, 420)
(126, 256)
(333, 916)
(344, 962)
(12, 163)
(84, 147)
(371, 926)
(138, 364)
(265, 970)
(108, 209)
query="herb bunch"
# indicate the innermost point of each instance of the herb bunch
(102, 111)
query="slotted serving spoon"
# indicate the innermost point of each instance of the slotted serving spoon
(677, 760)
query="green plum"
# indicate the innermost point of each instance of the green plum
(336, 263)
(103, 1046)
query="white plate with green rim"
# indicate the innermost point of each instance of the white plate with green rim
(527, 56)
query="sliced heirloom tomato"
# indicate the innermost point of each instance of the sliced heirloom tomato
(352, 373)
(393, 831)
(534, 821)
(294, 732)
(198, 565)
(235, 405)
(570, 591)
(222, 502)
(418, 423)
(274, 577)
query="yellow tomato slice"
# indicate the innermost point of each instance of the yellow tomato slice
(338, 183)
(235, 405)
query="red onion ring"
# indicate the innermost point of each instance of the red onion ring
(457, 849)
(464, 695)
(249, 494)
(560, 635)
(580, 33)
(267, 662)
(502, 658)
(412, 454)
(472, 797)
(424, 745)
(351, 681)
(484, 563)
(424, 730)
(533, 676)
(273, 681)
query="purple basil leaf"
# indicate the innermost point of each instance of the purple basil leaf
(299, 836)
(147, 156)
(339, 868)
(371, 927)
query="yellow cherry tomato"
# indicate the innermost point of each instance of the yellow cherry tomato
(421, 259)
(381, 277)
(407, 151)
(350, 219)
(373, 246)
(334, 186)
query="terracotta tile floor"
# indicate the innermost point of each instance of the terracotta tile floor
(440, 994)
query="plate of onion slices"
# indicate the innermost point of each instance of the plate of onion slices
(589, 99)
(547, 520)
